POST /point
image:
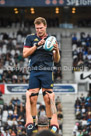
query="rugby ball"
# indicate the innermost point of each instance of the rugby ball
(49, 43)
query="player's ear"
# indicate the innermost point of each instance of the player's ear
(46, 25)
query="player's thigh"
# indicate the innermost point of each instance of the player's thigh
(47, 80)
(34, 82)
(34, 90)
(46, 89)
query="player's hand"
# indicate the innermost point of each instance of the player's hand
(51, 95)
(28, 94)
(56, 47)
(41, 42)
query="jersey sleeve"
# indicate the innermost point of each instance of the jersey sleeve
(54, 129)
(27, 42)
(30, 129)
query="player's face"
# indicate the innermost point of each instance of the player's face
(40, 29)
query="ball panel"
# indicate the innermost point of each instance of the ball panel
(50, 41)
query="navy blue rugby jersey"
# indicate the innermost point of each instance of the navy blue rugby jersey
(40, 58)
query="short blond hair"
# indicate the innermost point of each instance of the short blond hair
(40, 20)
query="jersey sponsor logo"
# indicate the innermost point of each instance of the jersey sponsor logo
(30, 127)
(36, 39)
(54, 129)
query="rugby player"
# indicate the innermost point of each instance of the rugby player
(41, 64)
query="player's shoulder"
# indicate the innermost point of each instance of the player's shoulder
(30, 35)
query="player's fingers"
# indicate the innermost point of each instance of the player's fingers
(43, 41)
(28, 93)
(47, 93)
(55, 47)
(50, 94)
(56, 44)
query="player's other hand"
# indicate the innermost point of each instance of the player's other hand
(41, 42)
(51, 95)
(56, 47)
(28, 94)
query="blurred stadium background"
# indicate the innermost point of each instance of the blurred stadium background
(70, 22)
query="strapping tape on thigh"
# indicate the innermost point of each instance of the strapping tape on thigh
(34, 94)
(44, 93)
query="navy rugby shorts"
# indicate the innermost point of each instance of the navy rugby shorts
(41, 79)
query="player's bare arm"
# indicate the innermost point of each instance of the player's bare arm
(29, 51)
(56, 53)
(53, 109)
(29, 118)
